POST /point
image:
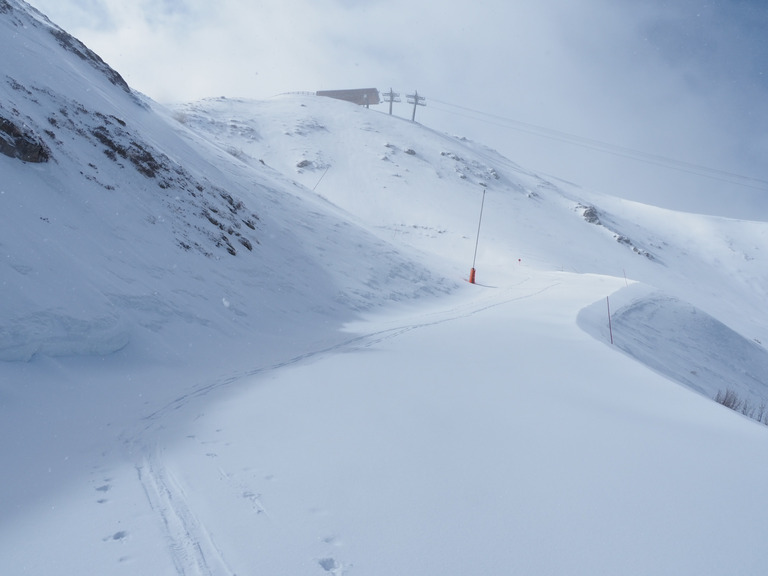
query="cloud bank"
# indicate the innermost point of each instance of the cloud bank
(683, 80)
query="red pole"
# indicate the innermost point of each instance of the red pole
(477, 240)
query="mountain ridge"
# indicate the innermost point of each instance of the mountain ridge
(147, 187)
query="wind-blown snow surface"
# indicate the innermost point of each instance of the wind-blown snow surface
(333, 398)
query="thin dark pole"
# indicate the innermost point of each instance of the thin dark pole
(321, 177)
(477, 240)
(610, 327)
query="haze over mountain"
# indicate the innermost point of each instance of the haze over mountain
(236, 338)
(655, 102)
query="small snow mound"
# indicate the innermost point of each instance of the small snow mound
(55, 333)
(680, 341)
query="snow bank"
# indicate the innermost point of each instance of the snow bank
(680, 341)
(51, 333)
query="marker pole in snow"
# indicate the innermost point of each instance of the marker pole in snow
(610, 328)
(321, 177)
(477, 240)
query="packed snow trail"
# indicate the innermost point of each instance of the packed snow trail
(487, 423)
(441, 440)
(474, 305)
(188, 541)
(407, 441)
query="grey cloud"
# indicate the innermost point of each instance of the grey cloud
(682, 79)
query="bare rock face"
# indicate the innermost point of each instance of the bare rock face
(22, 144)
(72, 44)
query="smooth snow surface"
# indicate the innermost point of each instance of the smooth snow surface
(237, 338)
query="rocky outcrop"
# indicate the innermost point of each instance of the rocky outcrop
(72, 44)
(22, 144)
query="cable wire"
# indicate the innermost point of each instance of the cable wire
(606, 147)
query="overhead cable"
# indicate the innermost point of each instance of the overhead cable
(606, 147)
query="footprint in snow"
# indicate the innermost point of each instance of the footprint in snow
(328, 564)
(334, 567)
(332, 541)
(116, 537)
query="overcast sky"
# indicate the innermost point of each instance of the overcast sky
(569, 89)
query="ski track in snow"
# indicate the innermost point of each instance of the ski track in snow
(191, 546)
(359, 342)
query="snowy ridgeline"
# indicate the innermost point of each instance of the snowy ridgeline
(131, 226)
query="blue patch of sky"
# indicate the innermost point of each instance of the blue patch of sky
(717, 41)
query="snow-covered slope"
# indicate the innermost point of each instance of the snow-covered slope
(235, 339)
(179, 235)
(423, 190)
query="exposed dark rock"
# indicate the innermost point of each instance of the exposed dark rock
(141, 158)
(206, 218)
(72, 44)
(245, 242)
(22, 144)
(591, 215)
(621, 239)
